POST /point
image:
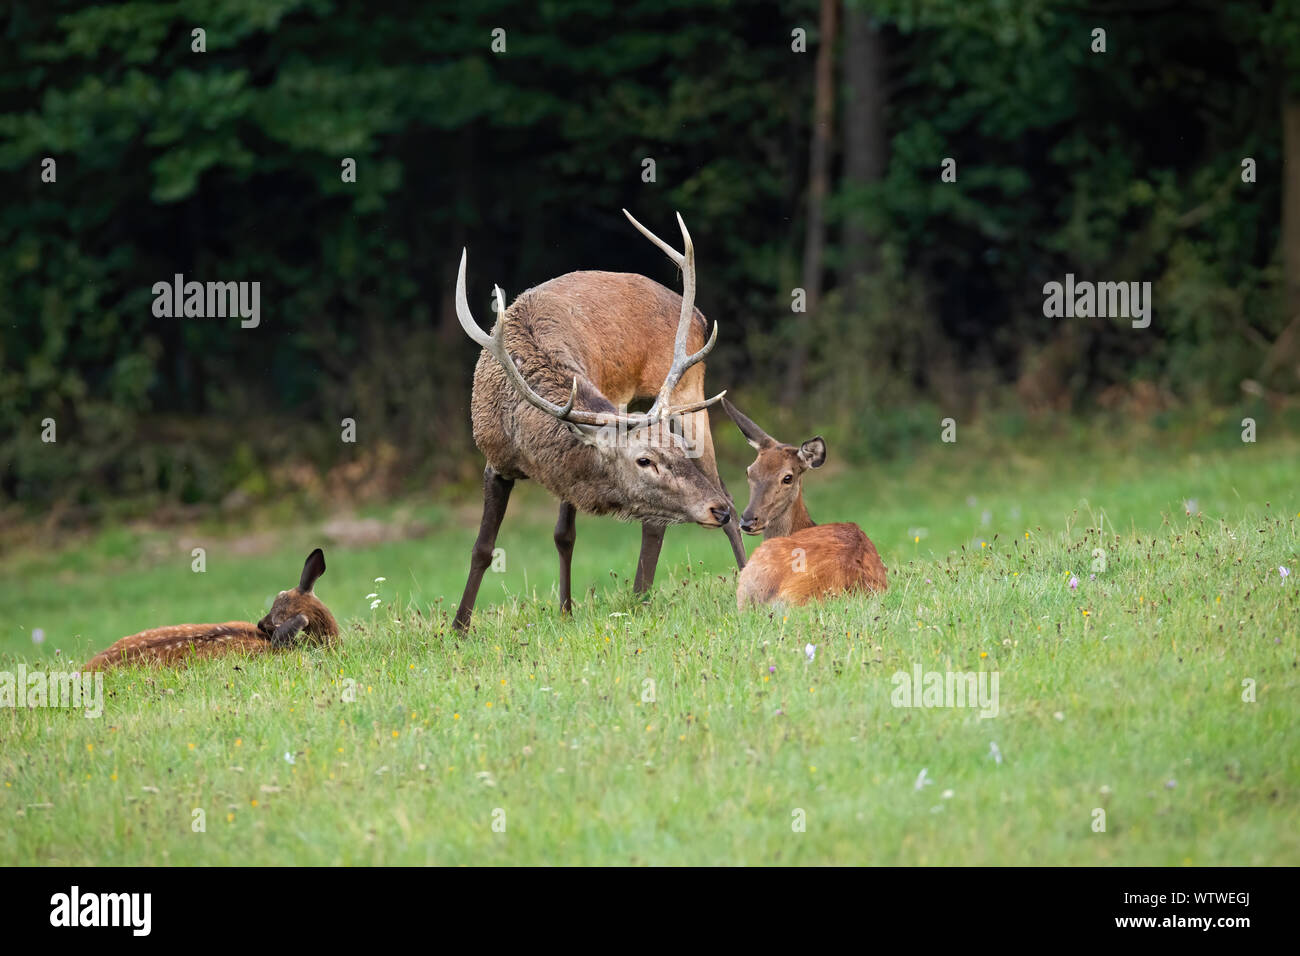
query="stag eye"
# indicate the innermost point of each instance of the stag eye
(787, 479)
(643, 462)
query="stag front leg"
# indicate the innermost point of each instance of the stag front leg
(652, 540)
(732, 528)
(708, 461)
(496, 495)
(566, 532)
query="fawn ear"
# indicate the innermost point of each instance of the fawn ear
(757, 438)
(813, 452)
(312, 570)
(286, 632)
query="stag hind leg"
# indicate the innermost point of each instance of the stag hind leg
(566, 532)
(496, 495)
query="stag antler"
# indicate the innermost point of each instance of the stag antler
(584, 421)
(495, 345)
(681, 361)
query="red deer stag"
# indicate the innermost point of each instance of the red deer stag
(799, 560)
(551, 390)
(296, 617)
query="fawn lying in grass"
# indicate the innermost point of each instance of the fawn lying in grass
(798, 560)
(296, 617)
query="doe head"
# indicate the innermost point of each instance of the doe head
(776, 476)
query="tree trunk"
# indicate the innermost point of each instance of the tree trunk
(818, 186)
(865, 148)
(1284, 356)
(1291, 202)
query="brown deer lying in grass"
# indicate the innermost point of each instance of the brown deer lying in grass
(296, 617)
(551, 390)
(799, 560)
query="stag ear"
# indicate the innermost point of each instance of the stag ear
(312, 570)
(584, 434)
(757, 438)
(287, 631)
(813, 452)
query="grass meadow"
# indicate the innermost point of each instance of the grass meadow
(677, 731)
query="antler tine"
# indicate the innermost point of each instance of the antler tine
(678, 259)
(681, 360)
(495, 345)
(689, 407)
(462, 307)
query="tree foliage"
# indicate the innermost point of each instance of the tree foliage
(224, 165)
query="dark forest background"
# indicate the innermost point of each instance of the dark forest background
(817, 170)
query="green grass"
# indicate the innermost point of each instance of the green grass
(1134, 707)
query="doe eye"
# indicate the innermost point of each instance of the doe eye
(643, 462)
(787, 479)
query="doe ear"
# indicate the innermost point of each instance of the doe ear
(312, 570)
(813, 452)
(757, 438)
(286, 632)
